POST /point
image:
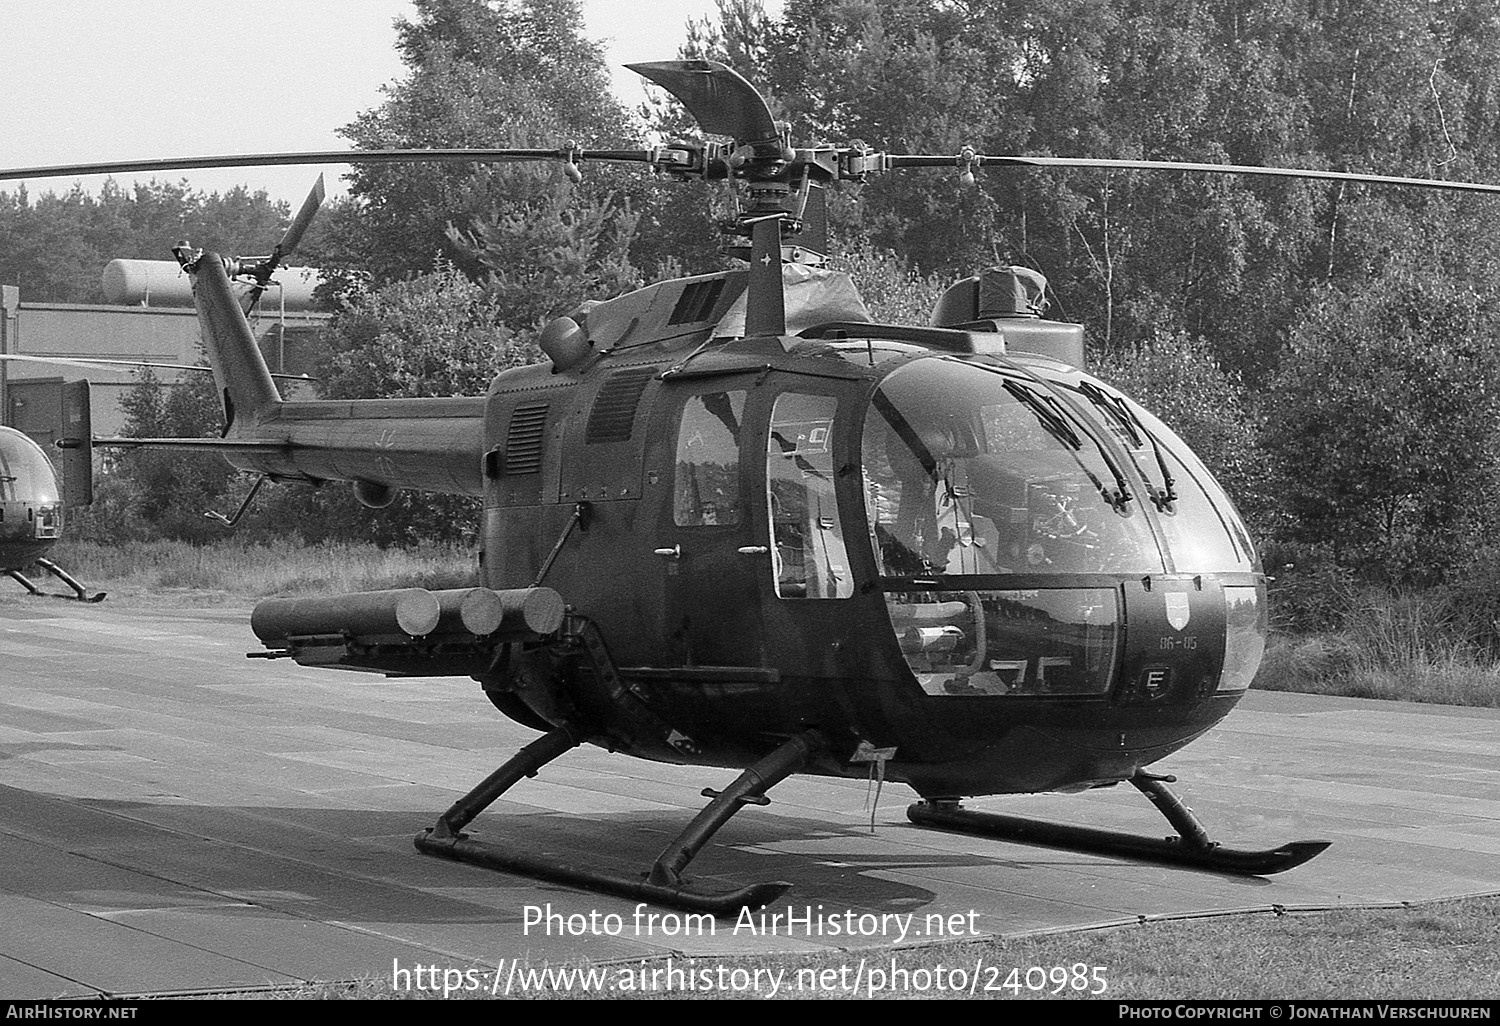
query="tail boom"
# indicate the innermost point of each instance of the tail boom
(429, 444)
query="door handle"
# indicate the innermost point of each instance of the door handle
(753, 550)
(675, 552)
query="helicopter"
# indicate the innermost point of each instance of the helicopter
(32, 498)
(731, 521)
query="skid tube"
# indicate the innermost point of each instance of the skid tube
(80, 593)
(664, 884)
(1192, 846)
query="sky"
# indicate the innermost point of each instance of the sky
(99, 80)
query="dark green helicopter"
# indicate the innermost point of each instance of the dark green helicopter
(32, 501)
(733, 522)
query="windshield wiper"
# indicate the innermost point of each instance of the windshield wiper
(1050, 414)
(1120, 412)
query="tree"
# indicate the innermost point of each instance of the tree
(439, 334)
(1382, 425)
(170, 491)
(1404, 89)
(482, 73)
(56, 245)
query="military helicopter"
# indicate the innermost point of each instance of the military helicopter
(32, 500)
(33, 497)
(733, 522)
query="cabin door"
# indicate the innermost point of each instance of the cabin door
(709, 557)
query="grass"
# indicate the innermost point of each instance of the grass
(1413, 647)
(177, 573)
(1443, 950)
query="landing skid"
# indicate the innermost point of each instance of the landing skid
(1192, 847)
(664, 883)
(80, 593)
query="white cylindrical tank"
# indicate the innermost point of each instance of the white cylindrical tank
(164, 283)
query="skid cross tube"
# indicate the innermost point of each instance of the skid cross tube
(664, 884)
(24, 582)
(524, 763)
(749, 788)
(1192, 848)
(80, 593)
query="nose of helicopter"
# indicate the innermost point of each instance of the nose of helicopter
(1189, 638)
(30, 506)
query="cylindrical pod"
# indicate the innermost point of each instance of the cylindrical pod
(483, 611)
(410, 611)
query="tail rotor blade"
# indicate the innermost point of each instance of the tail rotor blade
(288, 244)
(304, 217)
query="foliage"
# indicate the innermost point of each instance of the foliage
(483, 73)
(436, 334)
(512, 245)
(1383, 427)
(164, 492)
(547, 258)
(56, 245)
(1401, 89)
(894, 293)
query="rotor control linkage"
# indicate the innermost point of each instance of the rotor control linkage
(664, 885)
(1193, 847)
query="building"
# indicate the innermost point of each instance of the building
(150, 319)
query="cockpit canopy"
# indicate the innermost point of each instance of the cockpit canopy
(25, 473)
(981, 469)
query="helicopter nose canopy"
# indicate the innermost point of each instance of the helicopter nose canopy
(25, 473)
(1009, 504)
(973, 470)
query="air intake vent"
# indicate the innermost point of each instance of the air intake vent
(613, 415)
(696, 302)
(523, 443)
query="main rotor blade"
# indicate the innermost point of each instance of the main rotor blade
(899, 160)
(716, 117)
(410, 156)
(128, 366)
(717, 97)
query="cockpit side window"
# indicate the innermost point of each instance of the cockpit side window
(807, 537)
(707, 488)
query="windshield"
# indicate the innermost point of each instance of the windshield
(25, 474)
(976, 470)
(1199, 524)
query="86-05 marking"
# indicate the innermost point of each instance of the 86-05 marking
(1185, 643)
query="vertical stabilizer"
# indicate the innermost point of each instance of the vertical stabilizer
(244, 381)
